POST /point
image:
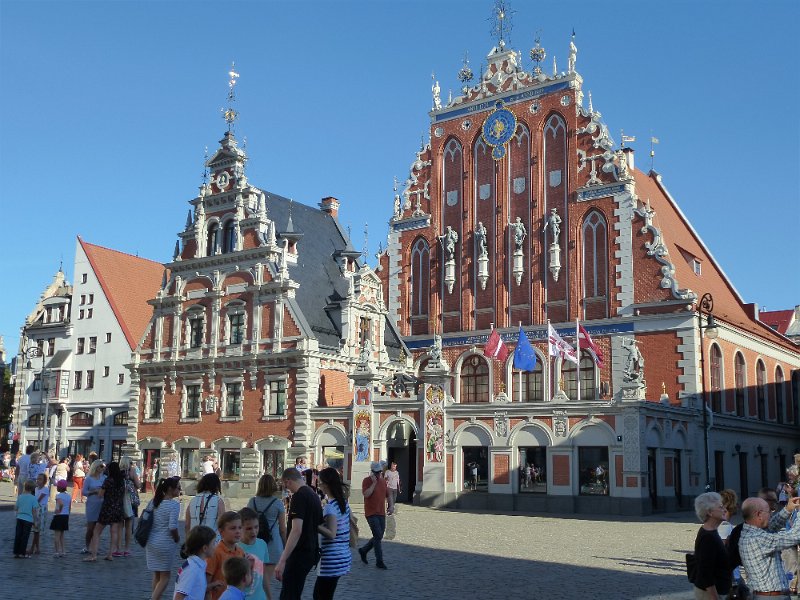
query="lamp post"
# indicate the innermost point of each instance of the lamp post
(705, 309)
(35, 352)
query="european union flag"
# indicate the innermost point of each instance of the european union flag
(524, 355)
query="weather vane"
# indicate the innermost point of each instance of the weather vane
(229, 114)
(465, 74)
(537, 56)
(501, 23)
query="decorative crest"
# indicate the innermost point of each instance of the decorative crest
(465, 74)
(501, 23)
(229, 114)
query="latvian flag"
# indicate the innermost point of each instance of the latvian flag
(495, 347)
(558, 347)
(588, 343)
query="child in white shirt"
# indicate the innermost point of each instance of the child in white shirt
(192, 582)
(60, 522)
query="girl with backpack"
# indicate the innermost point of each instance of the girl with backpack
(272, 523)
(206, 505)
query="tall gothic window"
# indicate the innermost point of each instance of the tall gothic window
(532, 384)
(474, 380)
(364, 330)
(229, 236)
(211, 239)
(595, 266)
(761, 390)
(716, 379)
(569, 372)
(739, 383)
(779, 394)
(420, 277)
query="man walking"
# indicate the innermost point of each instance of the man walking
(393, 485)
(763, 538)
(23, 464)
(300, 554)
(375, 493)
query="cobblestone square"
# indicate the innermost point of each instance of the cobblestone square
(431, 554)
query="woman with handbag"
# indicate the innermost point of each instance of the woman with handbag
(336, 556)
(112, 511)
(206, 505)
(163, 537)
(130, 504)
(269, 505)
(712, 577)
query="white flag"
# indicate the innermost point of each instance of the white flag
(558, 347)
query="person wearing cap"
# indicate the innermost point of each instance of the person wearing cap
(375, 494)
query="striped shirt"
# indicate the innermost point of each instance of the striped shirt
(336, 555)
(761, 553)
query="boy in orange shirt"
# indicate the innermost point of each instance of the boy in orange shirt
(230, 530)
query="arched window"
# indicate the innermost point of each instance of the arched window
(36, 420)
(474, 380)
(229, 236)
(569, 372)
(761, 390)
(451, 175)
(779, 393)
(121, 418)
(594, 235)
(532, 384)
(81, 419)
(716, 379)
(452, 206)
(211, 239)
(739, 382)
(420, 278)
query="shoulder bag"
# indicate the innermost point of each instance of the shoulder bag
(144, 526)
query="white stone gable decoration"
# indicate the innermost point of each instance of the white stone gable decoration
(501, 424)
(560, 423)
(658, 250)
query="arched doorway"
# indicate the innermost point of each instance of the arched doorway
(401, 448)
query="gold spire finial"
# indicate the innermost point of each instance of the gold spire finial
(229, 114)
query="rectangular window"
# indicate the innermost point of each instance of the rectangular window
(40, 346)
(234, 400)
(106, 371)
(83, 278)
(51, 346)
(81, 344)
(277, 397)
(78, 380)
(273, 463)
(192, 401)
(593, 470)
(89, 313)
(92, 344)
(195, 333)
(91, 298)
(37, 382)
(83, 299)
(108, 338)
(230, 464)
(80, 314)
(154, 406)
(89, 380)
(190, 462)
(120, 378)
(364, 328)
(237, 328)
(116, 449)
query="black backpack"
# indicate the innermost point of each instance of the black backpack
(264, 528)
(734, 558)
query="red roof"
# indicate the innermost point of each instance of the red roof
(779, 320)
(128, 282)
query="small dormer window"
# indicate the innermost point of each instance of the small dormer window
(697, 266)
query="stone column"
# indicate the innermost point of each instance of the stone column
(363, 427)
(430, 491)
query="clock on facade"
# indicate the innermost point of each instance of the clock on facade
(498, 128)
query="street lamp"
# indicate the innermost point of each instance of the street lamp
(705, 308)
(35, 352)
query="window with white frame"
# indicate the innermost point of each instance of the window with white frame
(192, 402)
(236, 323)
(233, 400)
(93, 344)
(196, 323)
(276, 405)
(155, 396)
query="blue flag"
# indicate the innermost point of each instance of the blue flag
(524, 355)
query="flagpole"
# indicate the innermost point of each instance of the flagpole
(578, 351)
(519, 395)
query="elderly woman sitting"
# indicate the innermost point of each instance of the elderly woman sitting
(713, 577)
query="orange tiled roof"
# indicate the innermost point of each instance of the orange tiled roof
(128, 282)
(681, 239)
(779, 320)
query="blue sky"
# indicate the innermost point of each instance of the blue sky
(107, 108)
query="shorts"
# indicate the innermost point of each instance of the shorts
(60, 523)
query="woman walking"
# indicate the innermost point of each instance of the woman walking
(111, 512)
(713, 578)
(93, 491)
(274, 511)
(206, 505)
(78, 475)
(131, 475)
(336, 556)
(162, 545)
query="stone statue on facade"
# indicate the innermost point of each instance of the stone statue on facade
(365, 352)
(573, 55)
(520, 233)
(437, 99)
(449, 240)
(480, 239)
(634, 365)
(435, 352)
(554, 222)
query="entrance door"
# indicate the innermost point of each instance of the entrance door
(743, 484)
(678, 478)
(151, 469)
(401, 445)
(652, 479)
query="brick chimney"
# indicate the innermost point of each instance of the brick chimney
(629, 157)
(330, 205)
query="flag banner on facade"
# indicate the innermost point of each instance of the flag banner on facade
(524, 355)
(495, 347)
(587, 343)
(558, 347)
